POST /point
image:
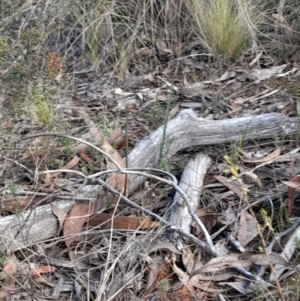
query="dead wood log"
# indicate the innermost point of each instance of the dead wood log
(30, 227)
(185, 130)
(191, 183)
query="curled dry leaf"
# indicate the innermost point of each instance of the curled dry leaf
(293, 184)
(163, 246)
(108, 221)
(162, 47)
(287, 253)
(173, 112)
(268, 158)
(241, 286)
(75, 220)
(256, 59)
(183, 276)
(116, 135)
(247, 228)
(118, 181)
(9, 272)
(71, 164)
(221, 263)
(233, 186)
(10, 204)
(222, 276)
(188, 259)
(262, 74)
(60, 214)
(121, 141)
(262, 259)
(290, 156)
(218, 266)
(288, 30)
(45, 269)
(253, 177)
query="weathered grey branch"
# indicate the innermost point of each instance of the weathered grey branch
(30, 227)
(185, 130)
(191, 183)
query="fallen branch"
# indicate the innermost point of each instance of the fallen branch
(186, 130)
(191, 183)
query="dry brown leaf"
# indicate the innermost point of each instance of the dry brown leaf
(268, 158)
(88, 159)
(293, 184)
(45, 269)
(207, 218)
(290, 156)
(262, 259)
(75, 220)
(183, 276)
(158, 270)
(163, 246)
(162, 47)
(60, 214)
(291, 193)
(247, 228)
(9, 272)
(192, 90)
(224, 275)
(173, 112)
(116, 135)
(71, 164)
(108, 221)
(256, 59)
(288, 30)
(188, 259)
(252, 176)
(121, 141)
(220, 263)
(263, 74)
(10, 204)
(241, 286)
(233, 186)
(48, 176)
(117, 181)
(168, 69)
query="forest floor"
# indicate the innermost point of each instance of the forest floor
(93, 246)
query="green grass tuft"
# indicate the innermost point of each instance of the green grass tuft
(223, 26)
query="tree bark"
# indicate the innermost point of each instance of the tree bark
(184, 131)
(187, 130)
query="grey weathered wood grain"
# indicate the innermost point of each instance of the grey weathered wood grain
(32, 226)
(185, 130)
(191, 183)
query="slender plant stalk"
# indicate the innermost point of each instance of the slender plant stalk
(161, 148)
